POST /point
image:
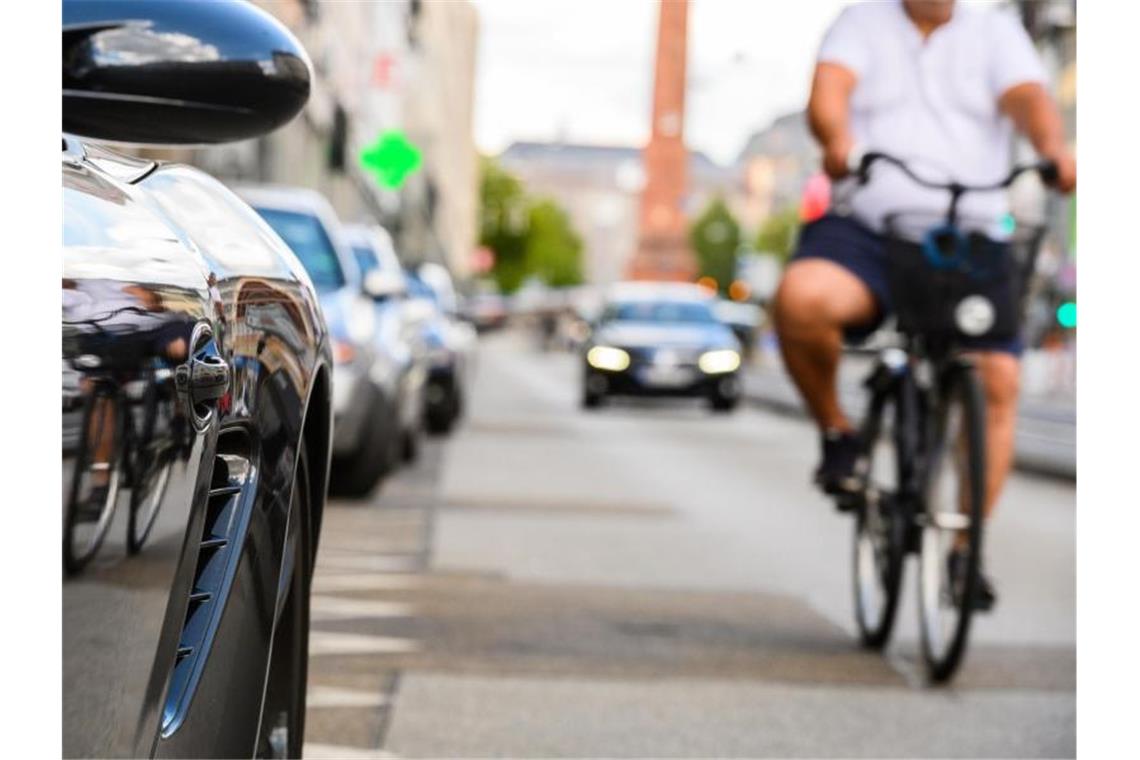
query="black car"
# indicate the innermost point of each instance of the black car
(196, 395)
(658, 339)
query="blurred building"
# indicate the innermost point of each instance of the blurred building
(401, 65)
(774, 167)
(600, 188)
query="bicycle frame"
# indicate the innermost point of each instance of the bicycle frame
(911, 375)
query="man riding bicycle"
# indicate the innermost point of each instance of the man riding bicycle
(941, 87)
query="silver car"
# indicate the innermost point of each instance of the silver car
(367, 437)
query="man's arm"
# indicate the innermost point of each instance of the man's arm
(1035, 115)
(829, 114)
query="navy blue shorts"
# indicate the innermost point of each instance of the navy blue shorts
(861, 251)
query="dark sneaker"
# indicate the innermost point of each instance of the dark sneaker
(984, 595)
(836, 472)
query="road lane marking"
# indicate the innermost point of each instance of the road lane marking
(341, 608)
(331, 696)
(364, 582)
(326, 643)
(335, 751)
(375, 562)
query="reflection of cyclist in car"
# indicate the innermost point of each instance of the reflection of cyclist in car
(125, 327)
(940, 87)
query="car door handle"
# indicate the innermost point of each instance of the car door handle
(204, 379)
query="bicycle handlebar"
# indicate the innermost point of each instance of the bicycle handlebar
(859, 163)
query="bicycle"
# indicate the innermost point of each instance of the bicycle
(922, 441)
(133, 419)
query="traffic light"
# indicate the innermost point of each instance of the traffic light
(1067, 315)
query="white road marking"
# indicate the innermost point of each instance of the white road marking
(375, 562)
(335, 751)
(362, 545)
(330, 696)
(341, 608)
(326, 643)
(364, 582)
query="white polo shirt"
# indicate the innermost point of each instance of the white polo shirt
(932, 102)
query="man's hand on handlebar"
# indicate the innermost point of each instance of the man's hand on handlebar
(836, 155)
(1066, 169)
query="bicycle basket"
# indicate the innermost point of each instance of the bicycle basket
(965, 281)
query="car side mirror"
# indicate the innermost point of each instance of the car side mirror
(380, 285)
(178, 71)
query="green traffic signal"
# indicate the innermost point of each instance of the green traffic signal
(391, 158)
(1067, 314)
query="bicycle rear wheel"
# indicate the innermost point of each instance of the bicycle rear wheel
(952, 523)
(151, 469)
(879, 529)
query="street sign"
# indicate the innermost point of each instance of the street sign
(391, 158)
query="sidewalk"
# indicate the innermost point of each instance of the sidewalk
(1046, 426)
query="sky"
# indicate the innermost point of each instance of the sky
(582, 70)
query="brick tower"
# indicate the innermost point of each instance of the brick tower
(662, 248)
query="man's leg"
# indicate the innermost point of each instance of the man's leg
(1001, 376)
(814, 302)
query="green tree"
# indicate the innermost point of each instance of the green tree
(504, 224)
(778, 233)
(715, 236)
(528, 236)
(553, 249)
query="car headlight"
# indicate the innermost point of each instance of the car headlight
(607, 358)
(719, 361)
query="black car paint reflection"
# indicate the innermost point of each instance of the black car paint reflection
(167, 278)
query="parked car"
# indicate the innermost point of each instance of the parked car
(196, 395)
(399, 338)
(368, 441)
(661, 339)
(487, 311)
(451, 347)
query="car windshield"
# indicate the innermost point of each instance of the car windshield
(306, 235)
(668, 312)
(417, 288)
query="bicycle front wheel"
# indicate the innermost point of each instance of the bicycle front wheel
(952, 522)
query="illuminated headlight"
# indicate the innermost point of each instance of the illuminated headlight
(607, 358)
(719, 361)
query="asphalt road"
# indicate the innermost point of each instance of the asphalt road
(653, 580)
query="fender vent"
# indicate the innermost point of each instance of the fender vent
(213, 573)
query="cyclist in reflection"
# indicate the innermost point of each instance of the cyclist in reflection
(120, 333)
(942, 87)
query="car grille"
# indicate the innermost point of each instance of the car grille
(645, 355)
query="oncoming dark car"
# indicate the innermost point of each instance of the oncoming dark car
(661, 340)
(196, 395)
